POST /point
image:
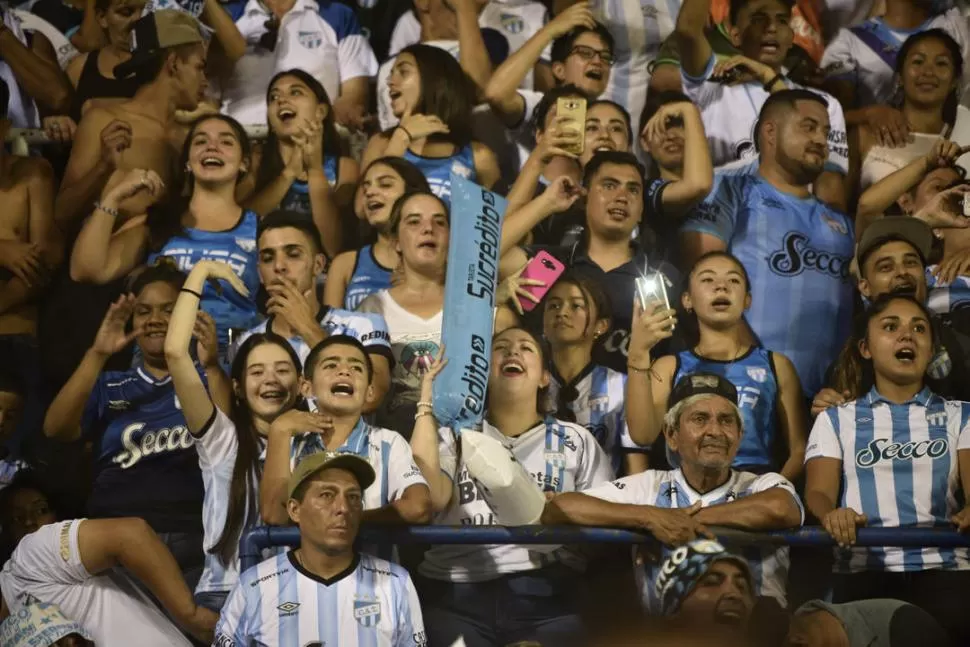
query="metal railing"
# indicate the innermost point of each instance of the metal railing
(257, 539)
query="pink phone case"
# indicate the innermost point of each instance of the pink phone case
(543, 267)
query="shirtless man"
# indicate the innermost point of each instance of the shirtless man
(29, 250)
(142, 132)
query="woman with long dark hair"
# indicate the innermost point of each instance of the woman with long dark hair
(898, 456)
(498, 595)
(355, 275)
(433, 99)
(231, 444)
(302, 167)
(199, 218)
(929, 69)
(769, 392)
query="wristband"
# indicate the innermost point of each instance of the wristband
(406, 132)
(637, 369)
(108, 210)
(193, 292)
(428, 404)
(775, 79)
(421, 414)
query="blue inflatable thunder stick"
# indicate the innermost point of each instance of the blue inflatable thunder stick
(466, 329)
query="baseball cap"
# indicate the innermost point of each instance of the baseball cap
(699, 384)
(313, 463)
(155, 32)
(889, 228)
(685, 566)
(38, 625)
(702, 384)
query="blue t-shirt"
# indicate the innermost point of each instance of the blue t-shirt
(438, 170)
(368, 277)
(145, 462)
(753, 375)
(237, 247)
(297, 198)
(797, 252)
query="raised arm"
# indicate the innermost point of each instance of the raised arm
(63, 419)
(695, 51)
(791, 416)
(550, 144)
(130, 543)
(647, 383)
(101, 254)
(226, 33)
(698, 174)
(197, 406)
(502, 92)
(95, 154)
(559, 196)
(472, 53)
(425, 444)
(40, 77)
(274, 484)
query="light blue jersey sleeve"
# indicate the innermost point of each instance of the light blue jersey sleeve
(231, 628)
(410, 624)
(717, 214)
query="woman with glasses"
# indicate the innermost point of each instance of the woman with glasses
(433, 99)
(769, 392)
(301, 168)
(577, 314)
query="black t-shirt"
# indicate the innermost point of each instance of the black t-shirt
(64, 17)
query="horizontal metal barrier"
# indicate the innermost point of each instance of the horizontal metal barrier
(257, 539)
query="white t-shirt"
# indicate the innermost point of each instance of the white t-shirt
(730, 113)
(561, 456)
(47, 567)
(882, 161)
(669, 489)
(324, 40)
(414, 344)
(850, 57)
(517, 20)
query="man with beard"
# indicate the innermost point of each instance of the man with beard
(731, 93)
(703, 430)
(892, 257)
(796, 250)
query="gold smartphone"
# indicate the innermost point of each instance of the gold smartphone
(574, 108)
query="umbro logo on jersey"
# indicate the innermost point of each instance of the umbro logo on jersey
(118, 405)
(774, 204)
(288, 608)
(758, 374)
(248, 245)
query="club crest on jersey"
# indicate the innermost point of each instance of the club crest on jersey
(367, 611)
(758, 374)
(461, 170)
(512, 23)
(834, 224)
(311, 39)
(248, 245)
(937, 419)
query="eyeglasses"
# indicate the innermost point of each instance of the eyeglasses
(587, 54)
(268, 40)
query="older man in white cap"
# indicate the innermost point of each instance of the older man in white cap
(703, 430)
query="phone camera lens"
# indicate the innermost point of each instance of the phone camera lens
(548, 264)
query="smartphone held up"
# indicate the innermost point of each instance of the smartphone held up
(652, 293)
(573, 110)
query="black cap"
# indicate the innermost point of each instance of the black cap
(702, 384)
(892, 228)
(155, 32)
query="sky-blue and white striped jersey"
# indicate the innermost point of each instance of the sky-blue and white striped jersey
(899, 468)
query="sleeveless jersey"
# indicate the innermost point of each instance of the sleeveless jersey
(145, 463)
(237, 247)
(297, 198)
(368, 277)
(753, 375)
(797, 253)
(438, 170)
